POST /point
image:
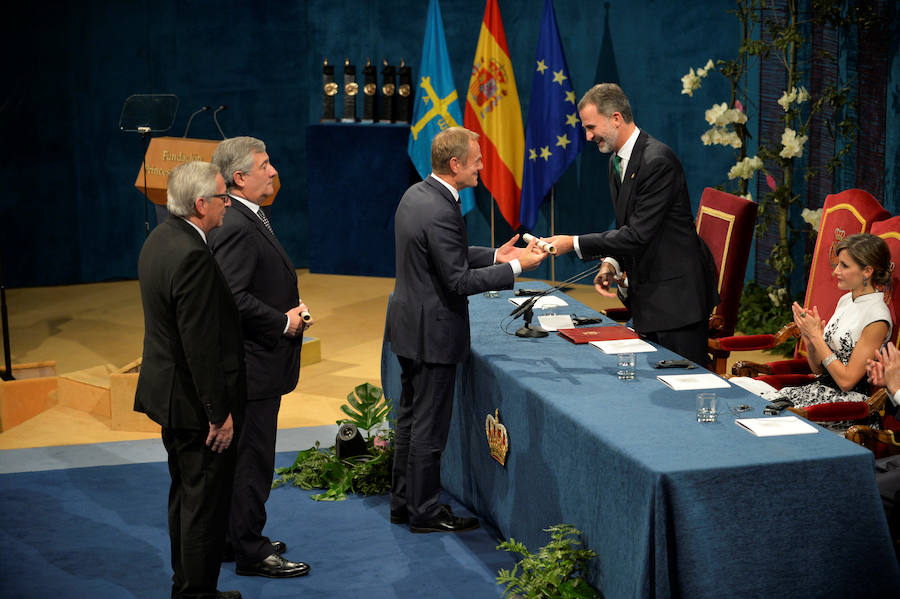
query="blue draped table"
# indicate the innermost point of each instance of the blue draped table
(673, 508)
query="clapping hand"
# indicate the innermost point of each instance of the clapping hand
(808, 321)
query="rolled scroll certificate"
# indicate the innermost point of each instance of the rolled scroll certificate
(528, 237)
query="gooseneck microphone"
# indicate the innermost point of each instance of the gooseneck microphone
(529, 304)
(191, 118)
(216, 111)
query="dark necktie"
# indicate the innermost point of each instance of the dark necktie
(617, 165)
(262, 217)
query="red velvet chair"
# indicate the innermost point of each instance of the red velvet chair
(725, 222)
(846, 213)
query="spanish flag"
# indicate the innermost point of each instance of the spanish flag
(493, 111)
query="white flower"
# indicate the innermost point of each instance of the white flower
(720, 115)
(702, 72)
(715, 113)
(748, 196)
(776, 295)
(786, 98)
(793, 144)
(722, 137)
(690, 82)
(812, 217)
(795, 95)
(745, 168)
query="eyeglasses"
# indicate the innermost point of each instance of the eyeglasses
(222, 196)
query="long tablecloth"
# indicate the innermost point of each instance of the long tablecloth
(672, 507)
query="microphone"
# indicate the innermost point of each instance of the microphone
(220, 108)
(529, 304)
(191, 118)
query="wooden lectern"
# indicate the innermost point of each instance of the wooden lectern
(165, 153)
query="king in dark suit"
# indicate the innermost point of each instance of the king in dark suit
(192, 373)
(428, 322)
(665, 271)
(264, 283)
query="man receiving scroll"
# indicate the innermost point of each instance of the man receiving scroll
(665, 272)
(428, 321)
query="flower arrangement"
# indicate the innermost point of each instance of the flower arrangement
(368, 474)
(777, 160)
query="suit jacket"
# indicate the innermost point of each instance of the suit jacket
(192, 371)
(428, 316)
(671, 273)
(264, 283)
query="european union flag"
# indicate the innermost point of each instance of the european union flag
(436, 106)
(553, 134)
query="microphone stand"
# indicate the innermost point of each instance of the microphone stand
(526, 308)
(7, 374)
(216, 121)
(528, 329)
(191, 118)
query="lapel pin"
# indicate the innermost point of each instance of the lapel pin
(632, 175)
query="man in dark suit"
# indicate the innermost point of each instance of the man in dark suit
(428, 322)
(192, 373)
(665, 272)
(264, 283)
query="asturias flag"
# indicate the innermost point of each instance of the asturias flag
(436, 107)
(553, 134)
(493, 111)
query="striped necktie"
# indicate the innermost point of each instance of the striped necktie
(262, 216)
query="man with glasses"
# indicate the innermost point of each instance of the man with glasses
(192, 380)
(264, 283)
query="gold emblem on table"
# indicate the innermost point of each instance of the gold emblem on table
(404, 90)
(387, 89)
(352, 88)
(331, 88)
(369, 89)
(498, 439)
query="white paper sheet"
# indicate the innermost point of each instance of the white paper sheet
(776, 426)
(688, 382)
(623, 346)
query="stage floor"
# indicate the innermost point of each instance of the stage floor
(85, 326)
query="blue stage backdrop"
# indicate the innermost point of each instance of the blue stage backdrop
(69, 212)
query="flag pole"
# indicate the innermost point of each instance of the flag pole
(552, 233)
(492, 221)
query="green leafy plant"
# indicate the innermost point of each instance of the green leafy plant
(370, 474)
(556, 571)
(766, 310)
(366, 407)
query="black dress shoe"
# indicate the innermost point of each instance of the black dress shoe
(445, 521)
(279, 547)
(403, 517)
(274, 566)
(228, 551)
(228, 595)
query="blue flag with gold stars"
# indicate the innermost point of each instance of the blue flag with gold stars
(553, 134)
(436, 105)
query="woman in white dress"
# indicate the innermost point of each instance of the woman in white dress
(861, 324)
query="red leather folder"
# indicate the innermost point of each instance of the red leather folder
(601, 333)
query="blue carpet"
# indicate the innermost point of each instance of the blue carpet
(101, 532)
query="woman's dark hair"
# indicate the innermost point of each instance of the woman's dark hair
(869, 250)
